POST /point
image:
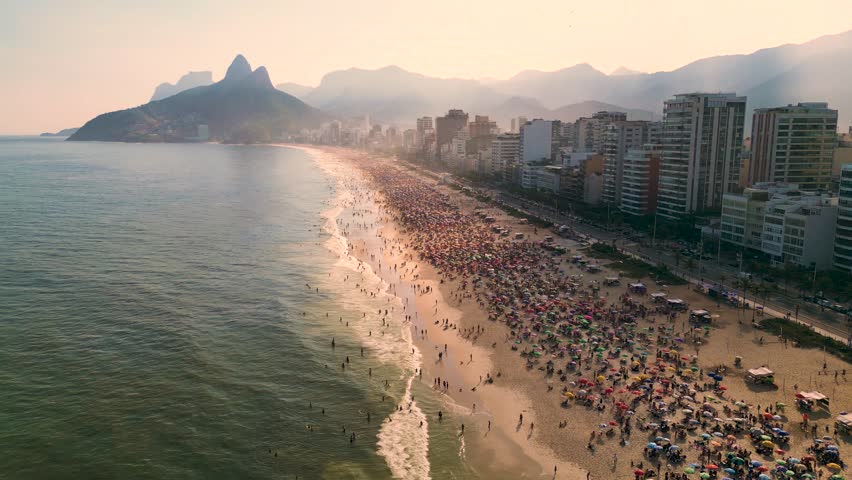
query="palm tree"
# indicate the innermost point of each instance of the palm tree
(745, 285)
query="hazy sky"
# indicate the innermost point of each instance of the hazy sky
(65, 61)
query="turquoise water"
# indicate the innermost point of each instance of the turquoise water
(155, 323)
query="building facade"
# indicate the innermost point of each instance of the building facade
(536, 141)
(702, 139)
(794, 144)
(447, 126)
(640, 180)
(619, 137)
(505, 149)
(843, 234)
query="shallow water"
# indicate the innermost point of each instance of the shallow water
(155, 321)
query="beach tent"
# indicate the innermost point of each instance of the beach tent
(608, 281)
(807, 400)
(637, 287)
(761, 375)
(843, 422)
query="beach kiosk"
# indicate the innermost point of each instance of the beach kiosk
(808, 401)
(638, 287)
(676, 304)
(761, 376)
(700, 316)
(843, 422)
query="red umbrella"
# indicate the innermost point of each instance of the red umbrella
(638, 472)
(613, 423)
(713, 466)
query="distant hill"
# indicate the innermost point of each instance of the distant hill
(394, 95)
(298, 91)
(243, 107)
(818, 70)
(62, 133)
(190, 80)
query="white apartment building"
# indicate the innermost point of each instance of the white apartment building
(702, 140)
(782, 221)
(505, 150)
(536, 141)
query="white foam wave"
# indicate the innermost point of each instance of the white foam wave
(403, 438)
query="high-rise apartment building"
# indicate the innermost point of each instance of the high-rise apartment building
(640, 180)
(447, 126)
(536, 141)
(619, 137)
(793, 144)
(702, 139)
(424, 124)
(843, 234)
(505, 149)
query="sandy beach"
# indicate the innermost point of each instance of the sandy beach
(462, 344)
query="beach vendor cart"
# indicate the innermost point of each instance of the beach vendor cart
(611, 281)
(808, 401)
(761, 376)
(843, 423)
(638, 287)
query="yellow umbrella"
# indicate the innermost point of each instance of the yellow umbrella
(833, 466)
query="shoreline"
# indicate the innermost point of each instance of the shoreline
(520, 389)
(505, 451)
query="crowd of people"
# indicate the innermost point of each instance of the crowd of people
(621, 356)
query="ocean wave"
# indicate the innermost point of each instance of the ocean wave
(403, 439)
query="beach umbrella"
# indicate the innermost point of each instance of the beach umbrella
(705, 436)
(689, 470)
(704, 475)
(638, 472)
(738, 461)
(790, 473)
(756, 463)
(763, 476)
(832, 466)
(836, 477)
(781, 461)
(730, 470)
(762, 468)
(793, 460)
(652, 445)
(713, 466)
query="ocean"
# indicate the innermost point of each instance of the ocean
(167, 311)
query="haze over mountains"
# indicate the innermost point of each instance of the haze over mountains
(190, 80)
(819, 70)
(243, 107)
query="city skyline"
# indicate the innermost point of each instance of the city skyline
(64, 72)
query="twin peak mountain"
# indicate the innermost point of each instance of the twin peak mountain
(243, 107)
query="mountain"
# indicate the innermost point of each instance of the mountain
(394, 95)
(62, 133)
(243, 107)
(813, 71)
(190, 80)
(298, 91)
(623, 71)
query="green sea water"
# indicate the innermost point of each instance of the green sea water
(155, 321)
